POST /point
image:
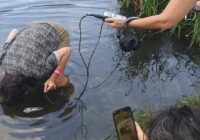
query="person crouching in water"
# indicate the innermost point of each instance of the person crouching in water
(37, 53)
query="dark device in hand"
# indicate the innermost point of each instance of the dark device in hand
(125, 124)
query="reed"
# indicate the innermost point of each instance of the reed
(125, 3)
(189, 28)
(149, 7)
(196, 31)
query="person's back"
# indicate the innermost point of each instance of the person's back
(30, 52)
(37, 54)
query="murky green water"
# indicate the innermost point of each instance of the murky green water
(160, 72)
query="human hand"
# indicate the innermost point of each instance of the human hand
(49, 85)
(114, 22)
(140, 132)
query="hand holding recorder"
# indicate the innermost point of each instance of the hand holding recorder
(114, 20)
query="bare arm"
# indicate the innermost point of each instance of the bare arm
(64, 54)
(172, 14)
(12, 33)
(140, 132)
(55, 80)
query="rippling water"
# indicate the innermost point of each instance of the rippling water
(160, 72)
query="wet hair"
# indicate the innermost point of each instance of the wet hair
(13, 88)
(175, 124)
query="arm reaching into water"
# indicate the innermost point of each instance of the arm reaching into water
(11, 35)
(172, 14)
(8, 41)
(54, 80)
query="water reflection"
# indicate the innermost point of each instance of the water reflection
(35, 106)
(160, 62)
(36, 103)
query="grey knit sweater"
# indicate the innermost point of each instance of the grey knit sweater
(30, 53)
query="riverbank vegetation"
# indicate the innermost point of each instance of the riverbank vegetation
(189, 29)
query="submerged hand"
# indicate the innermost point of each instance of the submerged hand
(114, 22)
(49, 85)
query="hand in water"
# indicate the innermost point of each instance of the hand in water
(49, 85)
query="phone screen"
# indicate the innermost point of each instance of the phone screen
(124, 124)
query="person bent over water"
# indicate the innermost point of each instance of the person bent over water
(38, 53)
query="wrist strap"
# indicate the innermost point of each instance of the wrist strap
(57, 72)
(125, 22)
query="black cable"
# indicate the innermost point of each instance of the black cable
(118, 36)
(84, 62)
(80, 40)
(101, 83)
(87, 65)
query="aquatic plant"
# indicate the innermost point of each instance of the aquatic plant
(185, 28)
(196, 31)
(143, 116)
(126, 3)
(193, 101)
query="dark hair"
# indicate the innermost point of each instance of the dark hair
(175, 124)
(13, 88)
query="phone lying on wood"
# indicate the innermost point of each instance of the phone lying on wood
(125, 124)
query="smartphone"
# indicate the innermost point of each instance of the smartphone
(125, 124)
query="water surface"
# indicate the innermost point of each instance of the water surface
(159, 73)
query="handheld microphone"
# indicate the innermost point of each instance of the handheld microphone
(98, 16)
(108, 15)
(125, 43)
